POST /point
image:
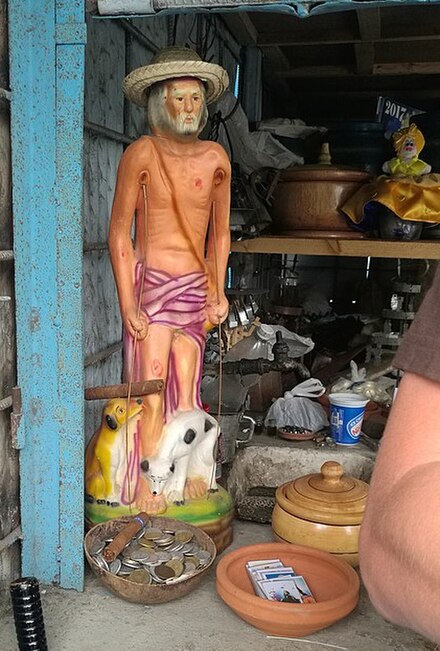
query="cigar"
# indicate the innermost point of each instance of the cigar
(143, 388)
(124, 536)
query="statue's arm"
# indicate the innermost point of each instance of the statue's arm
(119, 240)
(219, 241)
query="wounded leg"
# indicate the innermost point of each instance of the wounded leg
(188, 361)
(153, 354)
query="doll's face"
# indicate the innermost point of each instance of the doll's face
(408, 149)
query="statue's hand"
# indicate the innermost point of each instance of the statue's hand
(217, 311)
(136, 325)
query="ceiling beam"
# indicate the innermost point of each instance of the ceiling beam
(311, 94)
(241, 27)
(316, 71)
(369, 30)
(275, 59)
(365, 53)
(369, 24)
(382, 69)
(430, 68)
(281, 39)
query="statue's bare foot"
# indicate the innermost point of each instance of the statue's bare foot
(195, 488)
(151, 504)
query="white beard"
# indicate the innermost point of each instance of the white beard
(179, 125)
(158, 117)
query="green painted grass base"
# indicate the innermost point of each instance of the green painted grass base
(198, 512)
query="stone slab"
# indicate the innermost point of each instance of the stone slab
(271, 461)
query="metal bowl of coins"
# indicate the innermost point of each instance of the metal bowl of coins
(164, 560)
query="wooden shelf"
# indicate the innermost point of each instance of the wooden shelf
(361, 248)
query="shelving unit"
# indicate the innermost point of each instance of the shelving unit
(360, 248)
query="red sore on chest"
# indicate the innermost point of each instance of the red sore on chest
(198, 183)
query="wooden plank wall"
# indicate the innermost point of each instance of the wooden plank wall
(112, 52)
(9, 486)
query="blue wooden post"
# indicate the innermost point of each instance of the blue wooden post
(47, 77)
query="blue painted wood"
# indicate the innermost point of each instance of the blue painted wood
(32, 56)
(71, 38)
(46, 129)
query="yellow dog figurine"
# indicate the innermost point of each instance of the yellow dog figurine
(106, 452)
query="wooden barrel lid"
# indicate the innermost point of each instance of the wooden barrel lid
(329, 496)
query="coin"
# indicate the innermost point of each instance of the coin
(100, 562)
(203, 556)
(130, 549)
(140, 555)
(163, 542)
(131, 563)
(163, 556)
(177, 556)
(164, 572)
(140, 576)
(96, 547)
(179, 579)
(115, 566)
(139, 534)
(175, 565)
(188, 548)
(148, 544)
(192, 560)
(125, 570)
(152, 533)
(183, 536)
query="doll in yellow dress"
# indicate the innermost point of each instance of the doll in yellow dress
(409, 190)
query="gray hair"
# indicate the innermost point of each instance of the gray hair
(156, 113)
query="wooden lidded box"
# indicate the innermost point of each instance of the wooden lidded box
(323, 511)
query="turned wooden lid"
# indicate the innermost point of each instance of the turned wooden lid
(329, 496)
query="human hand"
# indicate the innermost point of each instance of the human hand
(217, 311)
(136, 325)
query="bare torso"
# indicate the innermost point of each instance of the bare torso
(179, 187)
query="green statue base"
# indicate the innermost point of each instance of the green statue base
(213, 513)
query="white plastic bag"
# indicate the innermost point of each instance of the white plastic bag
(376, 390)
(296, 412)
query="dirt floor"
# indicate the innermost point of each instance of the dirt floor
(95, 620)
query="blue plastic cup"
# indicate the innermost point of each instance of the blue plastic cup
(347, 412)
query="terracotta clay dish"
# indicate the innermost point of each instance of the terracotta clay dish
(334, 584)
(295, 434)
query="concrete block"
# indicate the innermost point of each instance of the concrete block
(271, 461)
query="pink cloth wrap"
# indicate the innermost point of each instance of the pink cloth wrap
(180, 304)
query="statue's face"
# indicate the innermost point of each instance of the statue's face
(185, 105)
(408, 149)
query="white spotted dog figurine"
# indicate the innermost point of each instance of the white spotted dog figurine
(186, 451)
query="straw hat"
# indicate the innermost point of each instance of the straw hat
(172, 62)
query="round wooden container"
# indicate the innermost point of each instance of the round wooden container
(323, 511)
(308, 198)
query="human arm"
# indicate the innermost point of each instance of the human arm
(219, 243)
(121, 250)
(400, 533)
